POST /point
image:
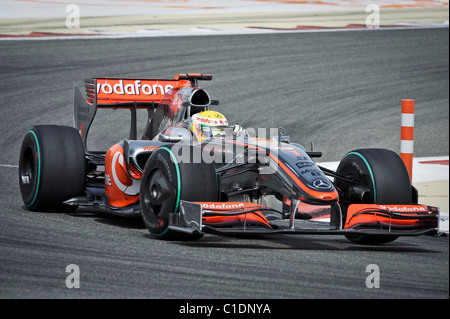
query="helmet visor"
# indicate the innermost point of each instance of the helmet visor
(213, 131)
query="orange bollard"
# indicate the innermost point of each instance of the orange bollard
(407, 135)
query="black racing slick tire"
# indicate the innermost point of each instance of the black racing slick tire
(165, 182)
(384, 174)
(51, 166)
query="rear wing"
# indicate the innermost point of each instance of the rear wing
(113, 92)
(132, 94)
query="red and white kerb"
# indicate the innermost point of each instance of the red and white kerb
(407, 135)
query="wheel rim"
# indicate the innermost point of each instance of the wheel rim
(27, 169)
(159, 194)
(364, 178)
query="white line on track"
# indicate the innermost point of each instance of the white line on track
(9, 166)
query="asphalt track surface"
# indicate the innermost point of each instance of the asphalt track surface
(341, 90)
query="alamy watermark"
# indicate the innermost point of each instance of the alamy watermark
(73, 279)
(373, 279)
(73, 16)
(373, 19)
(253, 146)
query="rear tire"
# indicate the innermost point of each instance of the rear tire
(384, 174)
(51, 166)
(165, 182)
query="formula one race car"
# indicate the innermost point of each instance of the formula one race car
(192, 173)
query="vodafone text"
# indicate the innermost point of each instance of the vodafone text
(133, 88)
(405, 209)
(223, 206)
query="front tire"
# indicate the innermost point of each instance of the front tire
(384, 174)
(51, 166)
(165, 183)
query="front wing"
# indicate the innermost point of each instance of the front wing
(247, 219)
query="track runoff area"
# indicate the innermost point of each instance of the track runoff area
(65, 19)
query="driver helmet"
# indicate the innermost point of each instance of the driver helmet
(208, 124)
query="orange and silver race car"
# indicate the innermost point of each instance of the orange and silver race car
(192, 173)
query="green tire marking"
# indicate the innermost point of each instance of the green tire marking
(370, 171)
(39, 169)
